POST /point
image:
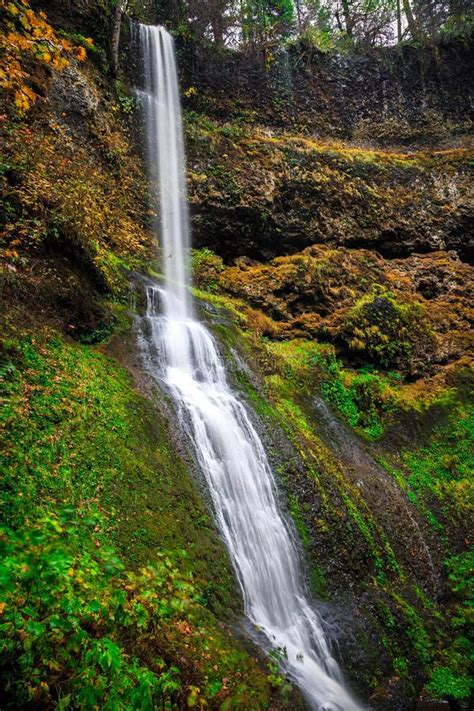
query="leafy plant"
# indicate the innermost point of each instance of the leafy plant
(26, 35)
(67, 606)
(444, 683)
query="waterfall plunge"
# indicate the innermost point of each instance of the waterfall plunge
(228, 448)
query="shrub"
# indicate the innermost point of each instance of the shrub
(68, 610)
(445, 683)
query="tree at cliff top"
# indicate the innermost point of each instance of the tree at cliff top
(326, 23)
(250, 22)
(372, 22)
(266, 21)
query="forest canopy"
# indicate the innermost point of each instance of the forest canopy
(327, 24)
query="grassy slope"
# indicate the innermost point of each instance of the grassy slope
(82, 444)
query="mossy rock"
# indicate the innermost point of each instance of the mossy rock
(389, 333)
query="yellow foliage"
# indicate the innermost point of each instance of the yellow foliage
(25, 36)
(190, 92)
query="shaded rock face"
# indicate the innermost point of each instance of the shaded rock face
(89, 17)
(73, 97)
(267, 177)
(389, 95)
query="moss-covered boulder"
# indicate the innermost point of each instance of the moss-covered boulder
(381, 330)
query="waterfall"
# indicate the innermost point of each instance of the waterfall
(227, 446)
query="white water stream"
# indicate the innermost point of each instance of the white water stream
(228, 448)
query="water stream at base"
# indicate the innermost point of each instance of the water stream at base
(227, 446)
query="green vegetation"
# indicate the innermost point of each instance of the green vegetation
(438, 476)
(317, 24)
(358, 395)
(444, 683)
(390, 334)
(69, 613)
(206, 267)
(452, 675)
(364, 398)
(93, 610)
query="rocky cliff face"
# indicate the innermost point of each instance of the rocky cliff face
(265, 157)
(259, 194)
(395, 96)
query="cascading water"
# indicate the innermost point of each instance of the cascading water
(228, 448)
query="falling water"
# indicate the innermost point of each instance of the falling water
(228, 448)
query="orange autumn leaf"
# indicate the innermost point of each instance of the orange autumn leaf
(80, 53)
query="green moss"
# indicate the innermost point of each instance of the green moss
(358, 396)
(206, 267)
(415, 629)
(387, 332)
(297, 516)
(451, 675)
(231, 307)
(444, 684)
(318, 582)
(400, 666)
(438, 476)
(447, 458)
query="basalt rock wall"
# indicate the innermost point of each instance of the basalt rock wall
(389, 95)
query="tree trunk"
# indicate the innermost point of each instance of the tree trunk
(346, 11)
(299, 15)
(412, 23)
(116, 37)
(399, 22)
(217, 25)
